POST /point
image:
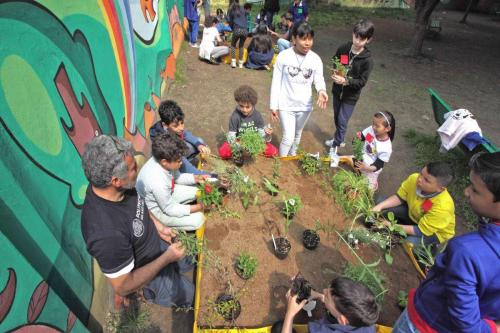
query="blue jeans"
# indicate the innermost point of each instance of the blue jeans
(283, 44)
(404, 325)
(342, 112)
(170, 287)
(193, 31)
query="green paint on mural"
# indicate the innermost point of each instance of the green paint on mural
(30, 104)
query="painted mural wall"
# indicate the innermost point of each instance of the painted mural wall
(69, 70)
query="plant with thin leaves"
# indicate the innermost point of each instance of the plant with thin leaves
(236, 150)
(402, 299)
(424, 254)
(193, 246)
(361, 235)
(393, 230)
(339, 68)
(243, 186)
(310, 164)
(357, 147)
(270, 186)
(290, 206)
(352, 192)
(252, 142)
(246, 264)
(276, 168)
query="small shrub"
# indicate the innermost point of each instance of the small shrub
(402, 299)
(246, 264)
(270, 186)
(252, 142)
(369, 276)
(310, 164)
(210, 195)
(338, 68)
(291, 206)
(357, 147)
(352, 193)
(243, 186)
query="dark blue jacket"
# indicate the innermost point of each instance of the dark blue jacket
(324, 326)
(463, 287)
(190, 11)
(257, 60)
(299, 11)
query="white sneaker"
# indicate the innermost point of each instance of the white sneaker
(342, 145)
(240, 65)
(329, 143)
(194, 45)
(233, 63)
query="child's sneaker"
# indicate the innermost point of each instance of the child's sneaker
(233, 63)
(330, 143)
(194, 45)
(240, 65)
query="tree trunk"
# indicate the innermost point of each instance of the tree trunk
(424, 10)
(467, 10)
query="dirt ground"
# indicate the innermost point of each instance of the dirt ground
(464, 70)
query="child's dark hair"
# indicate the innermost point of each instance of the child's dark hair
(261, 41)
(219, 12)
(210, 21)
(487, 167)
(170, 112)
(302, 29)
(442, 171)
(168, 146)
(245, 94)
(247, 6)
(389, 120)
(355, 301)
(287, 16)
(364, 29)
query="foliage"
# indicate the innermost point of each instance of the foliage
(135, 318)
(357, 147)
(193, 246)
(180, 68)
(339, 68)
(291, 206)
(236, 150)
(326, 15)
(365, 236)
(424, 254)
(352, 193)
(210, 195)
(427, 150)
(402, 299)
(247, 265)
(393, 230)
(270, 186)
(252, 142)
(310, 164)
(276, 168)
(368, 275)
(243, 186)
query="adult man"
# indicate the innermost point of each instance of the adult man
(121, 235)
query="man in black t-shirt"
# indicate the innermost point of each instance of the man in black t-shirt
(131, 248)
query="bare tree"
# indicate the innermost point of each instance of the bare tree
(423, 10)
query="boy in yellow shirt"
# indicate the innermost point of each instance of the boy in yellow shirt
(423, 199)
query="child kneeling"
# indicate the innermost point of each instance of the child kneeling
(424, 205)
(351, 305)
(245, 117)
(170, 195)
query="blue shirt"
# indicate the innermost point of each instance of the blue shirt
(299, 11)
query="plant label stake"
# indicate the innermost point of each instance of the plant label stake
(274, 242)
(308, 307)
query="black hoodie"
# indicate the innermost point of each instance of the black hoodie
(357, 76)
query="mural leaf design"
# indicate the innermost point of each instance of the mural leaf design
(70, 322)
(37, 301)
(7, 294)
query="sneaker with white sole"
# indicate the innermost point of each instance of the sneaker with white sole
(240, 64)
(330, 143)
(233, 63)
(194, 45)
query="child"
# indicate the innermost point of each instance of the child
(462, 290)
(166, 191)
(295, 70)
(271, 7)
(377, 147)
(208, 47)
(260, 50)
(299, 11)
(248, 13)
(284, 40)
(222, 25)
(246, 117)
(193, 17)
(424, 205)
(352, 307)
(238, 22)
(346, 90)
(261, 18)
(172, 119)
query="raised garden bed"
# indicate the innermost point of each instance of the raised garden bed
(262, 297)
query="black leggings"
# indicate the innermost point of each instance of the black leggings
(239, 35)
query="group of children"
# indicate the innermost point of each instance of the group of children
(461, 292)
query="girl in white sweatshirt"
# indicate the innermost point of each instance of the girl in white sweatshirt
(295, 70)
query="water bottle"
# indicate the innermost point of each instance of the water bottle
(334, 158)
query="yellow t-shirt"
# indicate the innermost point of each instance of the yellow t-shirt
(440, 216)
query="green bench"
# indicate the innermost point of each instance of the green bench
(440, 108)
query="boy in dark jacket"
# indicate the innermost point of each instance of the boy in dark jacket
(461, 293)
(346, 90)
(172, 119)
(351, 305)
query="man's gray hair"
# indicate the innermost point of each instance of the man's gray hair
(104, 157)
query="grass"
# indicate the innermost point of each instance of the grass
(180, 75)
(326, 15)
(135, 318)
(427, 150)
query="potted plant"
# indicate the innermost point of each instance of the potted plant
(300, 287)
(357, 147)
(424, 255)
(251, 142)
(402, 299)
(246, 266)
(310, 163)
(282, 247)
(243, 186)
(236, 152)
(291, 206)
(310, 239)
(339, 68)
(228, 307)
(209, 194)
(270, 186)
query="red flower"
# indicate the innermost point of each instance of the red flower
(344, 59)
(426, 205)
(369, 138)
(208, 189)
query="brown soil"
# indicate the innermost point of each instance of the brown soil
(263, 297)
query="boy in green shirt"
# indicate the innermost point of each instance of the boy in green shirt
(423, 206)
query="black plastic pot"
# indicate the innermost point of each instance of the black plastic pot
(235, 313)
(283, 247)
(239, 161)
(301, 287)
(240, 273)
(310, 239)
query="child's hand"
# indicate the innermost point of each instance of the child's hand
(268, 130)
(293, 308)
(322, 99)
(274, 115)
(204, 149)
(339, 79)
(362, 166)
(200, 178)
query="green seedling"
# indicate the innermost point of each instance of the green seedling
(291, 206)
(402, 299)
(252, 142)
(310, 164)
(338, 68)
(424, 254)
(357, 147)
(246, 264)
(269, 186)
